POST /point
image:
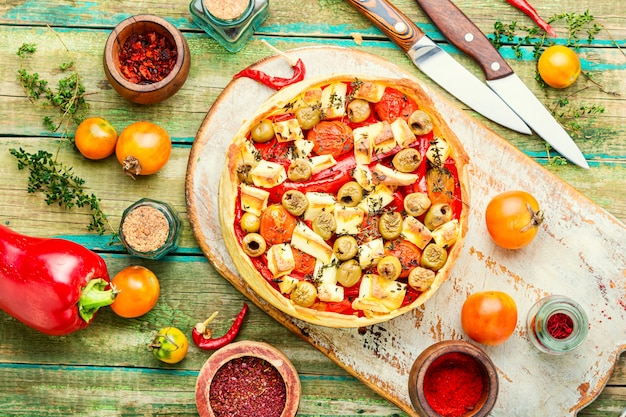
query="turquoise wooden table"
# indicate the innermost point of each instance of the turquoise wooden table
(107, 369)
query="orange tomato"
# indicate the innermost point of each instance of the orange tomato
(559, 66)
(95, 138)
(305, 263)
(513, 219)
(139, 291)
(394, 104)
(331, 137)
(408, 254)
(276, 224)
(489, 317)
(143, 148)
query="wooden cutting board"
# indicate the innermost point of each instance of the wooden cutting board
(580, 252)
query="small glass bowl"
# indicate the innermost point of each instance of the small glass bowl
(537, 321)
(150, 229)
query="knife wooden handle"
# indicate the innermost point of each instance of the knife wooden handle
(391, 21)
(464, 34)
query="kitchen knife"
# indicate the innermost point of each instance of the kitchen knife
(438, 65)
(463, 34)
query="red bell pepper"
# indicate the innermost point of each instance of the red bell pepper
(55, 286)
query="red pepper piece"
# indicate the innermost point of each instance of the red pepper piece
(55, 286)
(276, 83)
(201, 335)
(530, 11)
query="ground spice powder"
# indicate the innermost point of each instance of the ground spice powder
(453, 384)
(145, 229)
(247, 387)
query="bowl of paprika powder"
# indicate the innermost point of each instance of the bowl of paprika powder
(453, 378)
(146, 59)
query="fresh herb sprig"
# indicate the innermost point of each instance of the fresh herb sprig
(59, 184)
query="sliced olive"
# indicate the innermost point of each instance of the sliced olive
(420, 122)
(324, 225)
(243, 173)
(437, 215)
(407, 160)
(433, 257)
(250, 223)
(416, 204)
(358, 111)
(308, 117)
(254, 245)
(389, 267)
(263, 131)
(345, 247)
(304, 294)
(390, 225)
(299, 170)
(295, 202)
(350, 194)
(349, 273)
(421, 278)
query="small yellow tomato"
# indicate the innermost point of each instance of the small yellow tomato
(559, 66)
(143, 148)
(170, 345)
(95, 138)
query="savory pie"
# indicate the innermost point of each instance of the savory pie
(343, 201)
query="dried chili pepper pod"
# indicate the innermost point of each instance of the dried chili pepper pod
(201, 335)
(557, 324)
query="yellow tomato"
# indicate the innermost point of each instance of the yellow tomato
(143, 148)
(170, 345)
(95, 138)
(559, 66)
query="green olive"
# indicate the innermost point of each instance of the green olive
(350, 194)
(299, 170)
(324, 225)
(433, 257)
(250, 222)
(416, 204)
(389, 267)
(421, 278)
(437, 215)
(420, 122)
(304, 294)
(349, 273)
(358, 111)
(308, 117)
(295, 202)
(254, 245)
(345, 247)
(263, 131)
(243, 173)
(407, 160)
(390, 225)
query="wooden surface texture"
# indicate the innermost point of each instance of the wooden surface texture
(106, 369)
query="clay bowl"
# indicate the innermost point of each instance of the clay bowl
(148, 93)
(451, 353)
(228, 357)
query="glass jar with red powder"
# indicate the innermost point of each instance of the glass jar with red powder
(557, 324)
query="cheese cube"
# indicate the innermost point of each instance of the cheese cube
(268, 174)
(326, 272)
(286, 284)
(302, 148)
(384, 175)
(319, 202)
(348, 219)
(288, 130)
(382, 137)
(416, 232)
(377, 200)
(330, 293)
(362, 145)
(371, 252)
(253, 200)
(306, 240)
(370, 91)
(446, 234)
(280, 259)
(438, 151)
(334, 100)
(379, 294)
(321, 162)
(363, 176)
(402, 133)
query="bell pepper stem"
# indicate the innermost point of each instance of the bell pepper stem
(93, 297)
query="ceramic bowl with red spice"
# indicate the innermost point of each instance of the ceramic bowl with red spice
(248, 379)
(453, 378)
(146, 59)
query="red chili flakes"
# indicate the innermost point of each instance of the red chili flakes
(147, 58)
(247, 386)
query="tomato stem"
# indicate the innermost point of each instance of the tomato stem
(536, 218)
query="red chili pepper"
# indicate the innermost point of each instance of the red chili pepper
(274, 82)
(55, 286)
(529, 10)
(202, 335)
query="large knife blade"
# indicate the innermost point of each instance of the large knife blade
(463, 34)
(438, 64)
